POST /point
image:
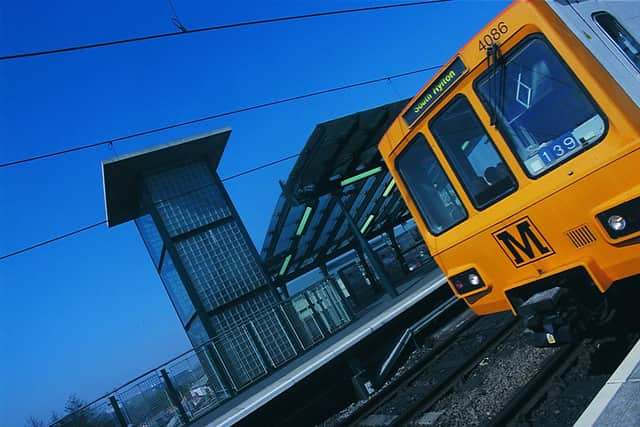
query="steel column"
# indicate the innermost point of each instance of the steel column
(366, 248)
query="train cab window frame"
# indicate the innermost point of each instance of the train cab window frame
(619, 35)
(542, 110)
(472, 154)
(431, 190)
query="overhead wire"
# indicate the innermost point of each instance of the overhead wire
(185, 31)
(97, 224)
(214, 116)
(205, 118)
(55, 239)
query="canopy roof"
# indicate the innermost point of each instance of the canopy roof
(120, 174)
(340, 159)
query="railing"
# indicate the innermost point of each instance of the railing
(201, 379)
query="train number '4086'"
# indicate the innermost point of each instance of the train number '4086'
(493, 35)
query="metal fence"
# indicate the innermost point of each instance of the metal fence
(203, 378)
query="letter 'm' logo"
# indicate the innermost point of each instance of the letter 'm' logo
(523, 243)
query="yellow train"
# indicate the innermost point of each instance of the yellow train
(520, 162)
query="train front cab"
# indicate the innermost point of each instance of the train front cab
(521, 167)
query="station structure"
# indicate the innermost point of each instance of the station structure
(266, 350)
(338, 213)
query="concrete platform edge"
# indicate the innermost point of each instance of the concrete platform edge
(259, 399)
(607, 393)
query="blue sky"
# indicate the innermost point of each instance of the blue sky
(88, 313)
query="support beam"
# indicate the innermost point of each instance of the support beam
(366, 248)
(117, 411)
(199, 307)
(174, 397)
(396, 249)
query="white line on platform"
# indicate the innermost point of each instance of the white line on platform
(608, 391)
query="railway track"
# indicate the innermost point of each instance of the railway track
(530, 395)
(429, 380)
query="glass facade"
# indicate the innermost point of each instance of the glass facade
(220, 264)
(205, 249)
(165, 267)
(186, 197)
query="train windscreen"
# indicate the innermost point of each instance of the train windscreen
(474, 158)
(429, 186)
(540, 108)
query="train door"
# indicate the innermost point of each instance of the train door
(611, 31)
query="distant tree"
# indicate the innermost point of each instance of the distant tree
(73, 404)
(54, 417)
(32, 421)
(74, 417)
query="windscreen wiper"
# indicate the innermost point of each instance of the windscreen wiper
(496, 64)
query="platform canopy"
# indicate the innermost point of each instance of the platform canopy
(120, 174)
(340, 159)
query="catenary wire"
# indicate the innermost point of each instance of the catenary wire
(184, 31)
(215, 116)
(97, 224)
(55, 239)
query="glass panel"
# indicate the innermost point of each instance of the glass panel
(176, 290)
(220, 264)
(186, 197)
(430, 188)
(242, 312)
(196, 332)
(151, 237)
(540, 108)
(196, 381)
(99, 414)
(273, 336)
(472, 155)
(241, 357)
(302, 318)
(147, 403)
(288, 229)
(625, 41)
(328, 305)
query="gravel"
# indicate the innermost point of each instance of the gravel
(568, 397)
(455, 354)
(491, 384)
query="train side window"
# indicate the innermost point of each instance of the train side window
(472, 155)
(541, 109)
(620, 36)
(429, 186)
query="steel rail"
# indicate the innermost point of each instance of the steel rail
(445, 385)
(534, 390)
(399, 384)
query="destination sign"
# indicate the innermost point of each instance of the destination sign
(445, 80)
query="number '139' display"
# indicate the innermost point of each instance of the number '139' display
(558, 148)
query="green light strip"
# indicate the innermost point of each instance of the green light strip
(366, 224)
(390, 186)
(360, 176)
(285, 264)
(303, 221)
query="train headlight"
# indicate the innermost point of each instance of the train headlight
(467, 281)
(616, 222)
(474, 279)
(621, 220)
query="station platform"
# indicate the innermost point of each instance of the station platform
(618, 401)
(287, 381)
